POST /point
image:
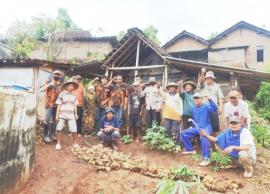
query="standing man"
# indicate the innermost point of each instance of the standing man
(212, 90)
(172, 110)
(237, 108)
(52, 90)
(153, 102)
(118, 101)
(79, 92)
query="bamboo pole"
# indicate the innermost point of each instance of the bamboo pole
(135, 68)
(166, 75)
(137, 58)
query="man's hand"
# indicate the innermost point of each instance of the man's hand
(57, 118)
(228, 150)
(203, 70)
(97, 78)
(203, 133)
(180, 82)
(76, 117)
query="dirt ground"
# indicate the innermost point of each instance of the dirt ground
(59, 172)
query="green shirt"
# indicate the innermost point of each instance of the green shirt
(188, 103)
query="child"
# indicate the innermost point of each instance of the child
(109, 129)
(187, 96)
(238, 143)
(201, 116)
(67, 112)
(173, 110)
(90, 109)
(135, 111)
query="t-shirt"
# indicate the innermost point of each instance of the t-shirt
(153, 98)
(212, 91)
(188, 102)
(240, 111)
(107, 123)
(173, 106)
(118, 94)
(52, 93)
(103, 94)
(67, 101)
(243, 137)
(135, 102)
(201, 114)
(80, 95)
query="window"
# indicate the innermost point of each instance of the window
(17, 76)
(260, 54)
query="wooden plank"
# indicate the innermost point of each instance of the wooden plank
(135, 68)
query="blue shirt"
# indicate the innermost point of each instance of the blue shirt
(201, 114)
(106, 123)
(228, 138)
(188, 103)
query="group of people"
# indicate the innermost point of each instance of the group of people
(187, 113)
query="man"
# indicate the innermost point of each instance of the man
(103, 97)
(118, 100)
(201, 116)
(153, 102)
(238, 143)
(79, 92)
(237, 107)
(67, 112)
(212, 90)
(172, 110)
(187, 91)
(109, 129)
(52, 89)
(135, 111)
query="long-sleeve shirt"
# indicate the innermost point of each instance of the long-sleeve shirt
(201, 114)
(188, 102)
(153, 98)
(173, 106)
(212, 91)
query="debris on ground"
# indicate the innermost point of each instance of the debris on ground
(106, 159)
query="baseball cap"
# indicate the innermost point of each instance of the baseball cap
(197, 95)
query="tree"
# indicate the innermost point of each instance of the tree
(151, 32)
(65, 18)
(213, 35)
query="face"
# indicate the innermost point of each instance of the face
(119, 80)
(172, 89)
(56, 77)
(136, 88)
(70, 87)
(78, 81)
(152, 84)
(138, 79)
(209, 81)
(104, 81)
(197, 101)
(234, 100)
(189, 88)
(235, 126)
(109, 115)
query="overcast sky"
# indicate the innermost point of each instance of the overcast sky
(201, 17)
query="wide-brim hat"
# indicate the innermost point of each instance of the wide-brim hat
(109, 110)
(152, 80)
(172, 84)
(76, 85)
(210, 74)
(191, 83)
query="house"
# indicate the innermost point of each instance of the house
(136, 55)
(243, 46)
(74, 46)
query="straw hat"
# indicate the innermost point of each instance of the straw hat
(191, 83)
(70, 81)
(152, 80)
(210, 74)
(172, 84)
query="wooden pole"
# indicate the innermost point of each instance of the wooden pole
(135, 68)
(166, 75)
(137, 57)
(111, 74)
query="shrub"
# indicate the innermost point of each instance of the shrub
(263, 100)
(220, 160)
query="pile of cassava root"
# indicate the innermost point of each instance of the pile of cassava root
(106, 159)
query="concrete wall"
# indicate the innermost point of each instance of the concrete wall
(74, 49)
(243, 37)
(17, 138)
(230, 58)
(185, 44)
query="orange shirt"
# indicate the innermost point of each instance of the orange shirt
(80, 95)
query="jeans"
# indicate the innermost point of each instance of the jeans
(188, 134)
(50, 122)
(119, 114)
(171, 124)
(152, 115)
(108, 137)
(79, 120)
(214, 118)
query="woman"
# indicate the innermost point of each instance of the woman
(90, 109)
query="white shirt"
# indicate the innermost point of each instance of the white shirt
(240, 110)
(246, 138)
(153, 98)
(212, 91)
